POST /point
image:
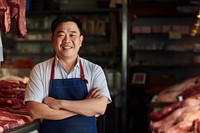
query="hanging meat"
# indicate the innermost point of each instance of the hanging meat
(13, 9)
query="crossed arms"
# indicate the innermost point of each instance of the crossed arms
(55, 109)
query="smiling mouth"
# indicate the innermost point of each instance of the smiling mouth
(67, 47)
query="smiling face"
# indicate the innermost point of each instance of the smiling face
(67, 40)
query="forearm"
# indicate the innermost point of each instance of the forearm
(86, 107)
(42, 111)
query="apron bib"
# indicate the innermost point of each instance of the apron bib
(69, 89)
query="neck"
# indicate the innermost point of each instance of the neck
(68, 64)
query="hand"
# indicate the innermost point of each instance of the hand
(52, 102)
(94, 93)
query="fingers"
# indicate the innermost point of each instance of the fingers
(51, 102)
(48, 99)
(95, 93)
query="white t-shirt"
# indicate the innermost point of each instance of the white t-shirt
(39, 79)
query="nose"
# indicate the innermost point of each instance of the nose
(66, 39)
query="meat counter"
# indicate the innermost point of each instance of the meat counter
(26, 128)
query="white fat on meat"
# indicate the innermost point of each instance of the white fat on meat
(19, 121)
(191, 101)
(16, 79)
(1, 129)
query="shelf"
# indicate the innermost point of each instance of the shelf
(167, 66)
(43, 30)
(138, 86)
(160, 9)
(34, 41)
(88, 39)
(82, 11)
(29, 54)
(160, 51)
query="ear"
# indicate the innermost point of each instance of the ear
(81, 40)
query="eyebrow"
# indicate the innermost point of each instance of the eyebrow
(60, 31)
(71, 31)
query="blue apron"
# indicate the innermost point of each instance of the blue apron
(69, 89)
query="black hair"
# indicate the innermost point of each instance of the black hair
(60, 19)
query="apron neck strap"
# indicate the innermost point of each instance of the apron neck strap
(52, 69)
(81, 71)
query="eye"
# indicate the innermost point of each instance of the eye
(60, 35)
(72, 35)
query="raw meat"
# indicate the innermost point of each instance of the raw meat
(196, 126)
(180, 120)
(183, 119)
(3, 5)
(21, 23)
(171, 93)
(12, 94)
(13, 9)
(10, 120)
(155, 116)
(7, 20)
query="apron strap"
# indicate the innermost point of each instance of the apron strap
(52, 70)
(81, 71)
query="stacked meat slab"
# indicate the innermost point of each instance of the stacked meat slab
(12, 95)
(11, 104)
(180, 116)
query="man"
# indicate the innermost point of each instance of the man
(67, 91)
